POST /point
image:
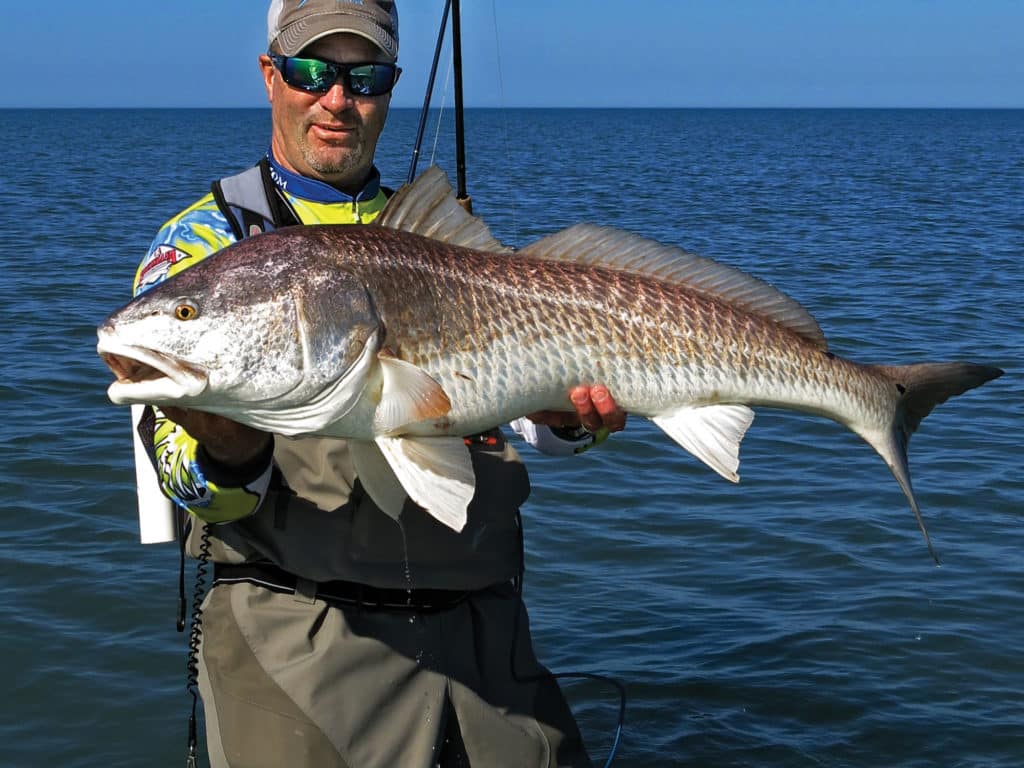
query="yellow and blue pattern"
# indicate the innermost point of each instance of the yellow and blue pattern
(186, 239)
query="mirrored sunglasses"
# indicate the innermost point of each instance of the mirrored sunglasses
(373, 78)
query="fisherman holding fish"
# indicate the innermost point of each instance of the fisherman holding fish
(325, 400)
(335, 635)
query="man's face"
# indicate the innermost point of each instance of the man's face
(327, 136)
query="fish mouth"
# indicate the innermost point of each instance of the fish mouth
(147, 376)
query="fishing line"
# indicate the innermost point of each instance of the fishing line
(460, 159)
(620, 723)
(440, 112)
(504, 119)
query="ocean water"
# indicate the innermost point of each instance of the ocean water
(795, 619)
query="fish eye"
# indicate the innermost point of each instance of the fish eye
(186, 310)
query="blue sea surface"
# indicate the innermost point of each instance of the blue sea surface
(795, 619)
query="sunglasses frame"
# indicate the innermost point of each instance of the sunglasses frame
(340, 71)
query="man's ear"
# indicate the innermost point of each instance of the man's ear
(267, 70)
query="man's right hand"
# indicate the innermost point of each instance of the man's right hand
(227, 442)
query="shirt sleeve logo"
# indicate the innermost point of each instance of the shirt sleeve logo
(157, 265)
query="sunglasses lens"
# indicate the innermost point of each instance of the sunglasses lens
(371, 79)
(317, 76)
(309, 74)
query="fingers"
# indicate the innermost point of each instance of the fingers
(596, 408)
(613, 418)
(585, 409)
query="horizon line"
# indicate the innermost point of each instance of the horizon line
(581, 107)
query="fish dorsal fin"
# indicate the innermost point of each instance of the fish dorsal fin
(594, 245)
(428, 207)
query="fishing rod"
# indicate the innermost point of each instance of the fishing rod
(460, 126)
(427, 96)
(451, 8)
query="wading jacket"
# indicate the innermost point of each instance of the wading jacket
(303, 508)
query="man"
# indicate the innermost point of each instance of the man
(333, 635)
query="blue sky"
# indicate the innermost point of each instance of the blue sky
(653, 53)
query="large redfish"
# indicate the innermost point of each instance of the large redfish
(405, 335)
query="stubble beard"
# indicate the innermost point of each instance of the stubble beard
(333, 163)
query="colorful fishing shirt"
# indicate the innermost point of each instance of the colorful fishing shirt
(186, 475)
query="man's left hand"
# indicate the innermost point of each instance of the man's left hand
(596, 409)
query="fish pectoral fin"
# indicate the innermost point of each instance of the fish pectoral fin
(436, 472)
(408, 395)
(712, 433)
(377, 478)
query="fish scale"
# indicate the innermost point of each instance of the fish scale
(669, 348)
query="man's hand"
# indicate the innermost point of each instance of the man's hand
(226, 441)
(595, 408)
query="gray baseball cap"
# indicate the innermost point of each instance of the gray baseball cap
(294, 24)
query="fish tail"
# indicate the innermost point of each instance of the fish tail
(920, 388)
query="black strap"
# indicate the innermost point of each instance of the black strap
(283, 214)
(346, 593)
(251, 202)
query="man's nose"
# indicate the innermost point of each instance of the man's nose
(336, 98)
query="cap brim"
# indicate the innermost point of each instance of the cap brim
(300, 34)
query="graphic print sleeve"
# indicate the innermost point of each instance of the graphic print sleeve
(192, 480)
(187, 476)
